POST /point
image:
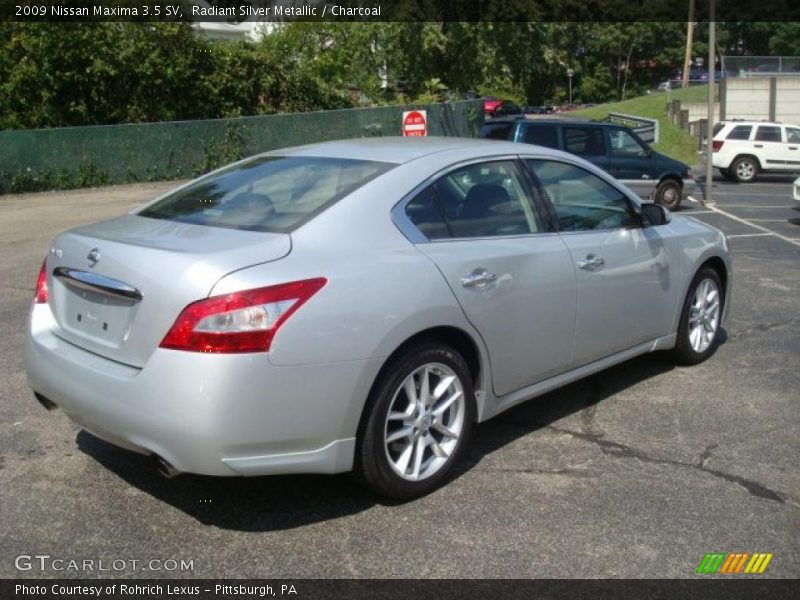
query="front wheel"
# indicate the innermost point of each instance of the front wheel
(668, 194)
(417, 423)
(698, 330)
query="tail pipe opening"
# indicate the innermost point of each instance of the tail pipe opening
(46, 402)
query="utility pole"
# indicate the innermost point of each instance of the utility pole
(712, 43)
(687, 59)
(570, 74)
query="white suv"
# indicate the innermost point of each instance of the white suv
(743, 149)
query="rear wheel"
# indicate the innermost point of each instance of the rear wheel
(668, 194)
(417, 423)
(700, 320)
(745, 169)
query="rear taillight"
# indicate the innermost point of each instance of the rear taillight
(40, 297)
(240, 322)
(716, 145)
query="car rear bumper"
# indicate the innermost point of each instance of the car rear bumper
(212, 414)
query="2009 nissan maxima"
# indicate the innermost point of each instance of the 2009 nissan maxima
(358, 305)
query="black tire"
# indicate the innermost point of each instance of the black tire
(371, 466)
(669, 194)
(744, 169)
(683, 352)
(726, 173)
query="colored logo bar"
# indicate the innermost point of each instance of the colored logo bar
(734, 562)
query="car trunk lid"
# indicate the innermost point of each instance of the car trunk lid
(117, 286)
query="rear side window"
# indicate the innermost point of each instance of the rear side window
(717, 128)
(266, 193)
(496, 131)
(424, 212)
(584, 141)
(477, 201)
(767, 133)
(541, 135)
(740, 132)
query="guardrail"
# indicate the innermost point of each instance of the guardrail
(647, 129)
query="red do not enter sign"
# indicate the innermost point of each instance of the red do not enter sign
(415, 123)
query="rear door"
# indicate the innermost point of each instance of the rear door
(512, 276)
(630, 161)
(586, 141)
(626, 292)
(769, 147)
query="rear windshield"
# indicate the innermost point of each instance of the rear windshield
(266, 193)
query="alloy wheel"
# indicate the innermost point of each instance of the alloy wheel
(425, 421)
(704, 315)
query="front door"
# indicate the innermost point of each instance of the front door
(630, 161)
(626, 290)
(513, 279)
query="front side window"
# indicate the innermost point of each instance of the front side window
(582, 200)
(480, 200)
(266, 193)
(768, 133)
(584, 141)
(740, 132)
(793, 135)
(624, 145)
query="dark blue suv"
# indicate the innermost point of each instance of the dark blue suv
(614, 148)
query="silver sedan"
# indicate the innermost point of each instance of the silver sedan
(358, 305)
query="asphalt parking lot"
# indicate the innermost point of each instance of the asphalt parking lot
(635, 472)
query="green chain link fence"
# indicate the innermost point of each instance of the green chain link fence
(72, 157)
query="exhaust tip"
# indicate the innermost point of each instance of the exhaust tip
(46, 402)
(165, 469)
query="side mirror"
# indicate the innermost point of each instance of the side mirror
(655, 214)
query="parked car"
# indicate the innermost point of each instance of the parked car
(615, 148)
(360, 304)
(490, 104)
(743, 149)
(508, 109)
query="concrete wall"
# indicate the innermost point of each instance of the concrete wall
(762, 98)
(699, 110)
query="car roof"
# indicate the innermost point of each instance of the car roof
(749, 122)
(550, 121)
(397, 149)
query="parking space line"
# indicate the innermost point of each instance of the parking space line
(770, 220)
(699, 212)
(755, 206)
(757, 226)
(746, 235)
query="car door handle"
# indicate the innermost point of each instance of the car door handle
(592, 262)
(478, 277)
(758, 145)
(792, 147)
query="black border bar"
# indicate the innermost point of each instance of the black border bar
(699, 588)
(395, 10)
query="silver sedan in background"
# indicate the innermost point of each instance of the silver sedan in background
(358, 305)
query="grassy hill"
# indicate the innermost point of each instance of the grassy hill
(674, 141)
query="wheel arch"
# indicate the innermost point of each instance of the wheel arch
(456, 338)
(746, 155)
(716, 263)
